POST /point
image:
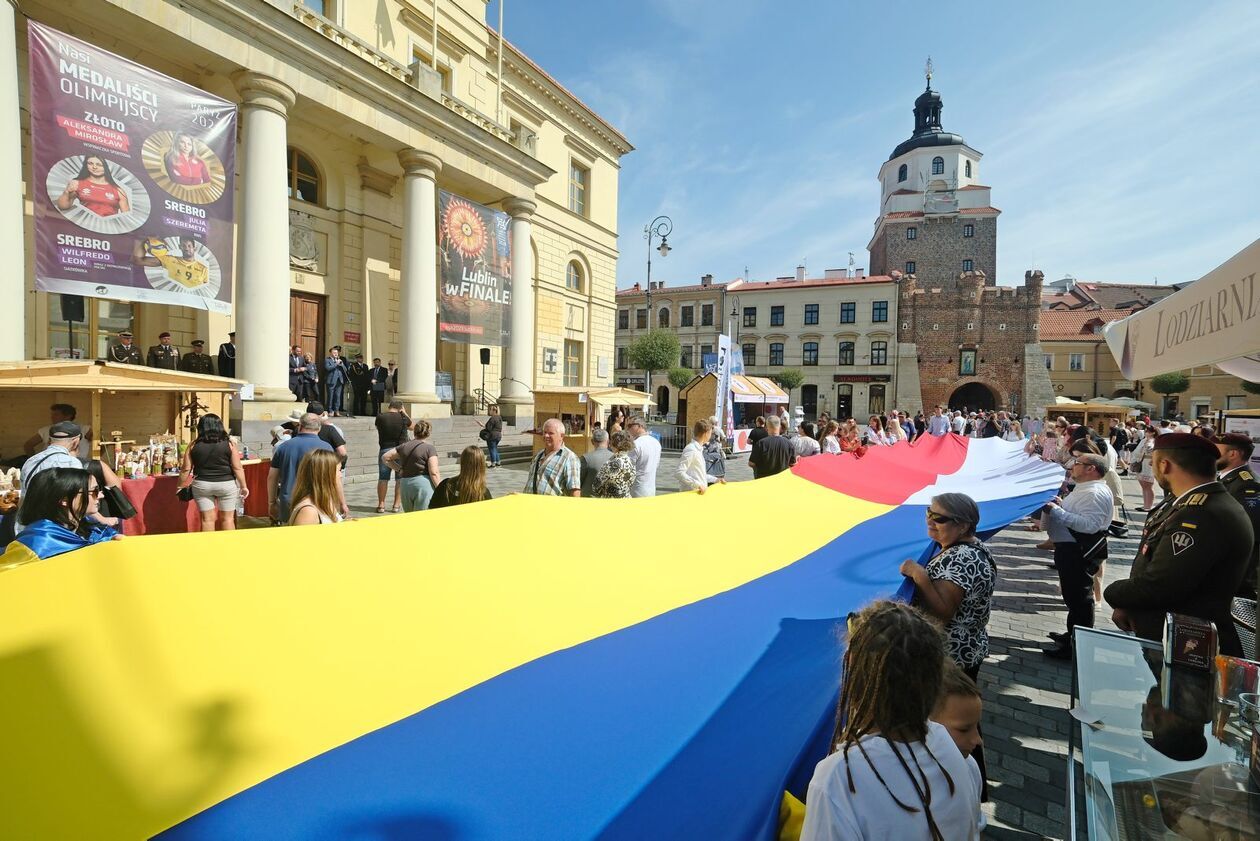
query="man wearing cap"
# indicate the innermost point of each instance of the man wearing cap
(63, 442)
(227, 356)
(197, 361)
(164, 354)
(1240, 483)
(1195, 547)
(124, 351)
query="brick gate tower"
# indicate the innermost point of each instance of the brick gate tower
(963, 340)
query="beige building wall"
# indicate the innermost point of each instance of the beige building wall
(495, 144)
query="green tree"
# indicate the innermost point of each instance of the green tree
(680, 376)
(1173, 382)
(1251, 388)
(790, 378)
(655, 350)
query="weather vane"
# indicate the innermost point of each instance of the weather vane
(927, 71)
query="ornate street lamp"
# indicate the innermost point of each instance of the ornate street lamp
(662, 226)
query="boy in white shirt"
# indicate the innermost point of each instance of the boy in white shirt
(959, 710)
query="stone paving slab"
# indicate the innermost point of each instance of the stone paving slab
(1025, 693)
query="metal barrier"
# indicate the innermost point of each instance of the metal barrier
(672, 436)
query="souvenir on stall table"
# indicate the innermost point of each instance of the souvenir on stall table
(1189, 641)
(10, 479)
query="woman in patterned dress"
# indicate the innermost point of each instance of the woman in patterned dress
(616, 477)
(956, 586)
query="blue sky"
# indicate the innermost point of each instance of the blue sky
(1121, 139)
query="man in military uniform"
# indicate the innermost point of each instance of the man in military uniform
(197, 361)
(361, 382)
(1195, 547)
(163, 354)
(227, 356)
(1240, 483)
(124, 351)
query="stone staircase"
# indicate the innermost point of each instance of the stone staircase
(449, 436)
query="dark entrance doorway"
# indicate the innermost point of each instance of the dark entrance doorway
(973, 396)
(662, 400)
(844, 402)
(809, 401)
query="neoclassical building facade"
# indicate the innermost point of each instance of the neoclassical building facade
(352, 116)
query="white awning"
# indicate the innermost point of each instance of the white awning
(1213, 321)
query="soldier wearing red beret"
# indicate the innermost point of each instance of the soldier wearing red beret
(1195, 548)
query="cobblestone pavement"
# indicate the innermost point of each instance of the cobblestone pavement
(1025, 693)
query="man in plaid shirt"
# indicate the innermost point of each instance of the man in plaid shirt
(556, 471)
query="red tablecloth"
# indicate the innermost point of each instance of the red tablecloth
(160, 511)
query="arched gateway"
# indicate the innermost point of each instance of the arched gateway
(973, 396)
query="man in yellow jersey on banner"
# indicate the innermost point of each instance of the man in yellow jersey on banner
(186, 269)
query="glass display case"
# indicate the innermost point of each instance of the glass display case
(1165, 751)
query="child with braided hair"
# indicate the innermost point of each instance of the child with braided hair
(892, 774)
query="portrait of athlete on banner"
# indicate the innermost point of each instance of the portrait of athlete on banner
(183, 165)
(97, 195)
(178, 264)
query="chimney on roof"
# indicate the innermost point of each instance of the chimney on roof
(800, 272)
(861, 272)
(636, 286)
(706, 280)
(833, 274)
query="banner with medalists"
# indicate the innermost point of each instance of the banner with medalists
(476, 272)
(131, 176)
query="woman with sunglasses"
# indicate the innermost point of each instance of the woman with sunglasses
(54, 510)
(956, 586)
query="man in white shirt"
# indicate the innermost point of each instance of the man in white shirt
(646, 456)
(958, 423)
(57, 413)
(938, 424)
(1086, 511)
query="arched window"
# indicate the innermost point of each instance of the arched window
(304, 181)
(903, 172)
(938, 165)
(809, 353)
(573, 276)
(662, 317)
(967, 169)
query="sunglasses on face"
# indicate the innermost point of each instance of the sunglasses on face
(96, 490)
(940, 518)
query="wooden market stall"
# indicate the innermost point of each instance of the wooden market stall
(579, 407)
(126, 407)
(1093, 414)
(750, 397)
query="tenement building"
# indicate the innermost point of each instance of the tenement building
(839, 330)
(352, 117)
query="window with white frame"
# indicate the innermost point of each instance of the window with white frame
(1076, 362)
(579, 188)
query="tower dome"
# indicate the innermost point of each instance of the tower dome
(927, 123)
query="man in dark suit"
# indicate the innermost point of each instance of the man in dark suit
(378, 380)
(297, 367)
(164, 354)
(227, 356)
(197, 361)
(361, 382)
(335, 376)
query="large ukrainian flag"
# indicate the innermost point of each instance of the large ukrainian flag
(526, 668)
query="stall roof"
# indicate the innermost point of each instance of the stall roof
(772, 392)
(745, 389)
(93, 375)
(604, 396)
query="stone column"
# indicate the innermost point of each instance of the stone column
(12, 232)
(517, 397)
(262, 281)
(417, 357)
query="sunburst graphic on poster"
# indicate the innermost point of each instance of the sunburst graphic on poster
(97, 194)
(464, 229)
(184, 166)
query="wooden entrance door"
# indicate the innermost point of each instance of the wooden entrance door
(306, 323)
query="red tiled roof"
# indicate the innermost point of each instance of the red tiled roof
(966, 210)
(975, 187)
(904, 214)
(904, 192)
(695, 287)
(765, 285)
(1072, 324)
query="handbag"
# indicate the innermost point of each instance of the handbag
(184, 493)
(119, 505)
(484, 435)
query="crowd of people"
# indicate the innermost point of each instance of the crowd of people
(907, 756)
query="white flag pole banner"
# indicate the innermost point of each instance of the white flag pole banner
(1213, 321)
